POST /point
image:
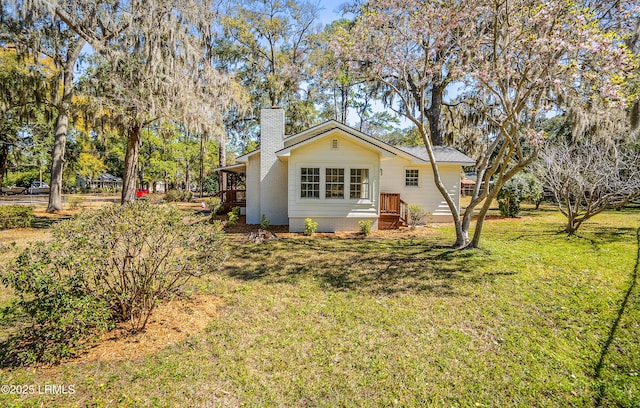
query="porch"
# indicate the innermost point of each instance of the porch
(232, 198)
(393, 212)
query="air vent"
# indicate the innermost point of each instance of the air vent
(334, 144)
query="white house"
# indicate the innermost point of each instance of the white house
(338, 176)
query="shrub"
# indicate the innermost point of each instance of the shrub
(416, 213)
(365, 227)
(310, 226)
(264, 222)
(74, 202)
(115, 264)
(178, 195)
(60, 312)
(15, 216)
(522, 187)
(234, 216)
(215, 205)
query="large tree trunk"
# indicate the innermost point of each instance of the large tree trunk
(4, 155)
(455, 212)
(62, 122)
(436, 139)
(131, 164)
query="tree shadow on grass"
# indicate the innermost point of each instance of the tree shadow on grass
(379, 267)
(47, 222)
(614, 327)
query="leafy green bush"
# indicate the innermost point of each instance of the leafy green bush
(214, 204)
(310, 226)
(59, 311)
(264, 222)
(522, 187)
(115, 264)
(365, 227)
(178, 195)
(416, 213)
(234, 216)
(15, 216)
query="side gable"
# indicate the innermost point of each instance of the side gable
(333, 133)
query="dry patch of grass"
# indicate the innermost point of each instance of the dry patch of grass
(171, 323)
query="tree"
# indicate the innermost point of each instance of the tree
(59, 30)
(24, 99)
(590, 176)
(267, 44)
(508, 62)
(411, 49)
(156, 71)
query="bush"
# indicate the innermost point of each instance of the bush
(365, 227)
(74, 202)
(234, 216)
(59, 311)
(112, 265)
(416, 213)
(522, 187)
(173, 196)
(310, 226)
(214, 204)
(15, 216)
(264, 222)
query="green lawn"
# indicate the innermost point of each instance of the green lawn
(381, 322)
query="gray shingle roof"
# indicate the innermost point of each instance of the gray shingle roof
(443, 154)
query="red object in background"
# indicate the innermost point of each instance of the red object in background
(141, 192)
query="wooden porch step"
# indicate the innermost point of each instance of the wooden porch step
(388, 221)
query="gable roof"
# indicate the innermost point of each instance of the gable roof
(320, 131)
(418, 154)
(443, 154)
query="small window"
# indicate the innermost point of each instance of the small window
(334, 143)
(334, 183)
(411, 178)
(359, 187)
(310, 182)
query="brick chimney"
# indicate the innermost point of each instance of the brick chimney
(273, 172)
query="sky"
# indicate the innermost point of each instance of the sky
(330, 10)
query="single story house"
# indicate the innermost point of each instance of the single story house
(338, 176)
(104, 180)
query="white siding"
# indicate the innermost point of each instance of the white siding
(426, 195)
(348, 155)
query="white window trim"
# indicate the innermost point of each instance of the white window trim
(347, 183)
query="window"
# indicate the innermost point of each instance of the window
(334, 143)
(334, 183)
(310, 182)
(411, 178)
(359, 187)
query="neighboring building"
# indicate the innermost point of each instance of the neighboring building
(105, 180)
(338, 176)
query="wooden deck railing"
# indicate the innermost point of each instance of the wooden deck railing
(232, 198)
(392, 204)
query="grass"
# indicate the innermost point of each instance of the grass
(534, 318)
